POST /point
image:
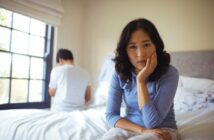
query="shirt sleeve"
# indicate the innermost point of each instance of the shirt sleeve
(114, 101)
(88, 78)
(154, 112)
(53, 81)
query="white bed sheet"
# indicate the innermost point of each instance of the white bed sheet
(196, 125)
(33, 124)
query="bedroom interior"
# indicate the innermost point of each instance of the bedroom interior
(193, 104)
(91, 28)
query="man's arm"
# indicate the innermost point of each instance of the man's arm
(52, 91)
(88, 94)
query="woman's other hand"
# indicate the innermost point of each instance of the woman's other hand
(165, 135)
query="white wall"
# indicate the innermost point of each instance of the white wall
(91, 28)
(70, 32)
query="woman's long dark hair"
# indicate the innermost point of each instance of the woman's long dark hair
(123, 65)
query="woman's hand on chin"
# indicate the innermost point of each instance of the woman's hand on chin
(151, 64)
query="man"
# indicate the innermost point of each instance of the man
(69, 84)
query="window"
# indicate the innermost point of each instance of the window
(25, 61)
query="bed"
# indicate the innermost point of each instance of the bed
(194, 113)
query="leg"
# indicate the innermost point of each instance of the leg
(150, 136)
(145, 137)
(117, 134)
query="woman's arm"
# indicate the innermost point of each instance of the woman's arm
(142, 91)
(152, 114)
(156, 111)
(125, 124)
(114, 101)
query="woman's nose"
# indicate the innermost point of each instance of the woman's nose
(141, 52)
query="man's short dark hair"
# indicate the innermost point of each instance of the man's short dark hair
(64, 54)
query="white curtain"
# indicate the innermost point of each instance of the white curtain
(49, 11)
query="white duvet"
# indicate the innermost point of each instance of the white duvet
(33, 124)
(196, 125)
(45, 125)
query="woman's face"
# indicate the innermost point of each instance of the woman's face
(139, 48)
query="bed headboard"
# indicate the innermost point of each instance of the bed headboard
(194, 63)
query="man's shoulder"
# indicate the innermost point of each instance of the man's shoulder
(60, 68)
(56, 68)
(81, 70)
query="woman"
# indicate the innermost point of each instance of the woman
(146, 82)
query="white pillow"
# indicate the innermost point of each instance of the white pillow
(107, 70)
(101, 93)
(195, 83)
(193, 94)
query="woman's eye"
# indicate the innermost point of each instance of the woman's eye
(146, 45)
(133, 47)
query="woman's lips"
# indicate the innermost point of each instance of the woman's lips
(141, 61)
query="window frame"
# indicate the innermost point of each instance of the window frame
(48, 56)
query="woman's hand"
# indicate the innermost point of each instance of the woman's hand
(151, 64)
(159, 132)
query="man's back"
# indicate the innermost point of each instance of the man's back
(71, 83)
